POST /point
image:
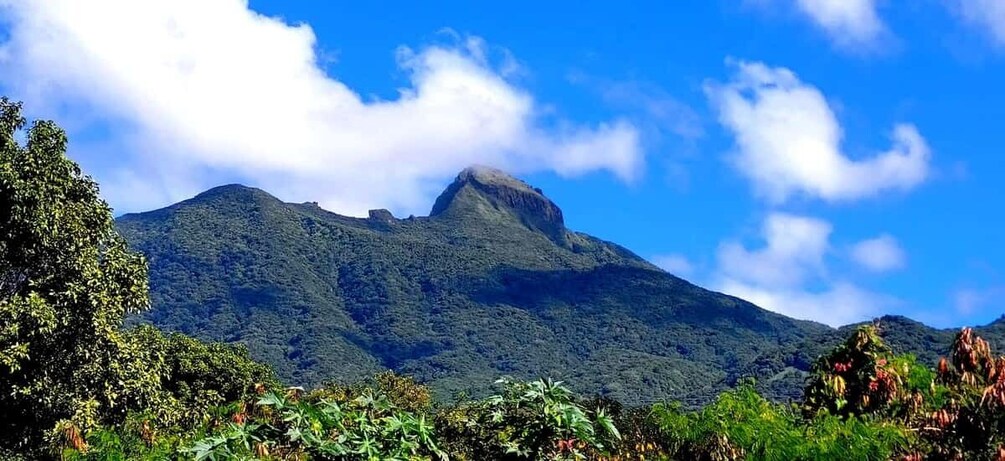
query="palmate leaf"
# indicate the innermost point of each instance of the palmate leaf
(271, 399)
(294, 434)
(208, 449)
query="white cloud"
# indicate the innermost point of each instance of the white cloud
(795, 250)
(847, 22)
(852, 25)
(675, 264)
(880, 254)
(789, 274)
(788, 141)
(202, 89)
(655, 103)
(988, 14)
(841, 304)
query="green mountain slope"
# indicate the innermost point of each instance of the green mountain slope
(491, 283)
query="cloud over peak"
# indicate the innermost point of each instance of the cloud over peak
(788, 141)
(676, 264)
(197, 86)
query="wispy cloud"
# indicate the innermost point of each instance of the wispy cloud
(656, 104)
(989, 15)
(969, 301)
(880, 254)
(795, 249)
(839, 304)
(788, 140)
(198, 88)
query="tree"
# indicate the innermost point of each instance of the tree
(858, 377)
(969, 422)
(67, 280)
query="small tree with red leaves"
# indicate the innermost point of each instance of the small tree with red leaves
(970, 423)
(861, 376)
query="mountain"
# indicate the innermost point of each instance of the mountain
(491, 283)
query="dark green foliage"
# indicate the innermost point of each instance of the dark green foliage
(201, 375)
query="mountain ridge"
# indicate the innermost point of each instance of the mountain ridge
(490, 284)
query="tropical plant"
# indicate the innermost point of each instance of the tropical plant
(537, 420)
(970, 421)
(858, 377)
(289, 426)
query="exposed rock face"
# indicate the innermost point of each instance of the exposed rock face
(382, 216)
(484, 191)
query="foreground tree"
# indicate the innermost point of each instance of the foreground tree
(956, 411)
(969, 422)
(863, 376)
(67, 282)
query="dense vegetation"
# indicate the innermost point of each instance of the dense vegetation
(77, 385)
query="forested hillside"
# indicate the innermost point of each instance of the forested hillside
(490, 283)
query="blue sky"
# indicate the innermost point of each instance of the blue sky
(828, 159)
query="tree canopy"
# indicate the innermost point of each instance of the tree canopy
(67, 281)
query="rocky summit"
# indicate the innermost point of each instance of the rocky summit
(486, 191)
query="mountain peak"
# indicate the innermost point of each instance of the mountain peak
(487, 175)
(486, 191)
(232, 191)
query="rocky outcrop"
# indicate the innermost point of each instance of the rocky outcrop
(478, 186)
(382, 216)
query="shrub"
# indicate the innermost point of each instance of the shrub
(286, 426)
(741, 424)
(536, 420)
